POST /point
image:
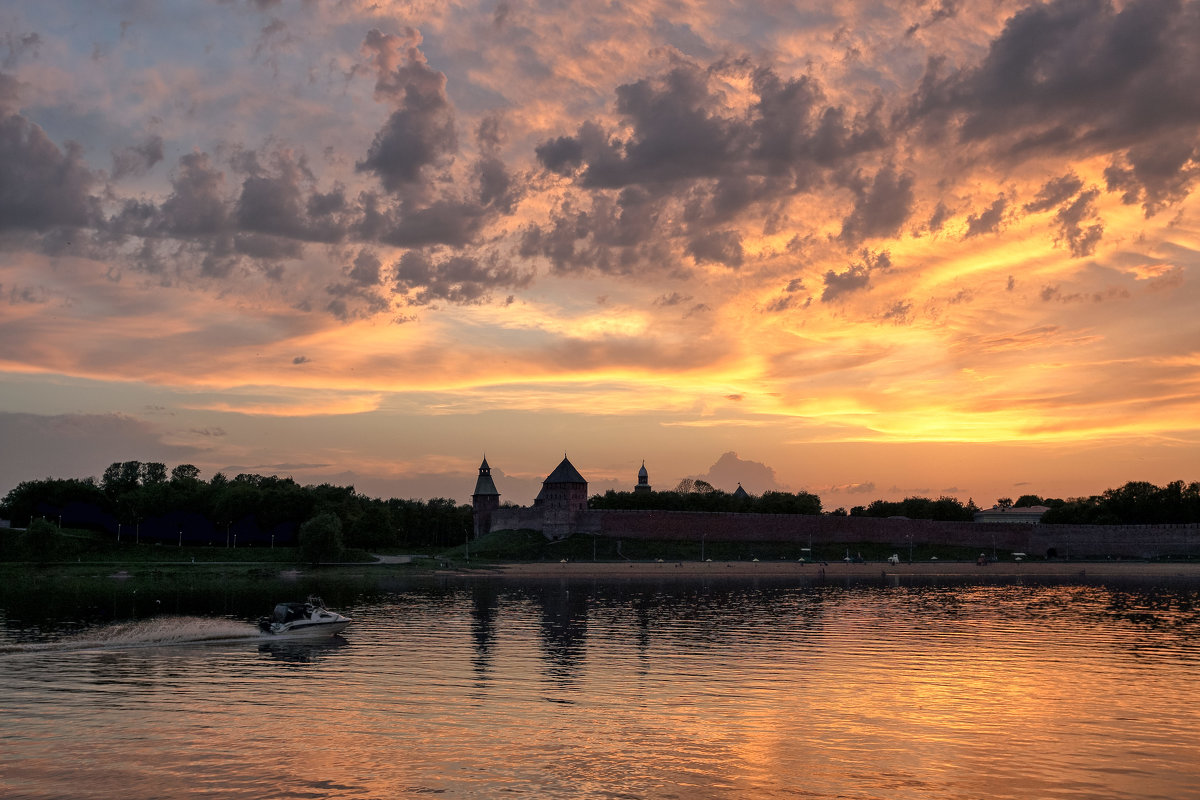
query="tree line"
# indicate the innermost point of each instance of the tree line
(1135, 503)
(699, 495)
(143, 501)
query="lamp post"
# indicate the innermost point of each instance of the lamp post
(118, 533)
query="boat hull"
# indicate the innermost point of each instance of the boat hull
(313, 630)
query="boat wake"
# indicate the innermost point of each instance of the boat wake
(154, 632)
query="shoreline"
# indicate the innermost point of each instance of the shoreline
(836, 569)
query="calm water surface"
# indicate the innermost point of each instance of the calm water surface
(623, 690)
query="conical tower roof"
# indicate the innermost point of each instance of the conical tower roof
(484, 484)
(565, 472)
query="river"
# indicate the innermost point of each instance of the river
(481, 688)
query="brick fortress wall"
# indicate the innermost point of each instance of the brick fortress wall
(1075, 541)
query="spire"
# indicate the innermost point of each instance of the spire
(484, 485)
(643, 484)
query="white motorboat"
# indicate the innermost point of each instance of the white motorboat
(309, 620)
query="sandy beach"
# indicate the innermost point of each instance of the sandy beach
(837, 569)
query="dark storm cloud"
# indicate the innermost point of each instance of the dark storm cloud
(457, 279)
(681, 142)
(447, 221)
(677, 132)
(988, 220)
(562, 155)
(366, 270)
(1078, 76)
(856, 277)
(881, 205)
(792, 128)
(280, 202)
(41, 185)
(1155, 174)
(197, 205)
(496, 186)
(1080, 237)
(420, 132)
(1054, 192)
(682, 131)
(937, 220)
(619, 235)
(722, 247)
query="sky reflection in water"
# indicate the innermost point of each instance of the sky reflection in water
(636, 690)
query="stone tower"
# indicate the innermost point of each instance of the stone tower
(562, 499)
(485, 500)
(643, 484)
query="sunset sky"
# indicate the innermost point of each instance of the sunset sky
(863, 249)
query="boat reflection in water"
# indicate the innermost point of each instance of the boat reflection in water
(307, 620)
(301, 651)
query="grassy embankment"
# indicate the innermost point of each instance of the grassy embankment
(85, 549)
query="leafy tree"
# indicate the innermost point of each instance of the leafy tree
(321, 538)
(944, 508)
(152, 473)
(372, 527)
(121, 477)
(185, 473)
